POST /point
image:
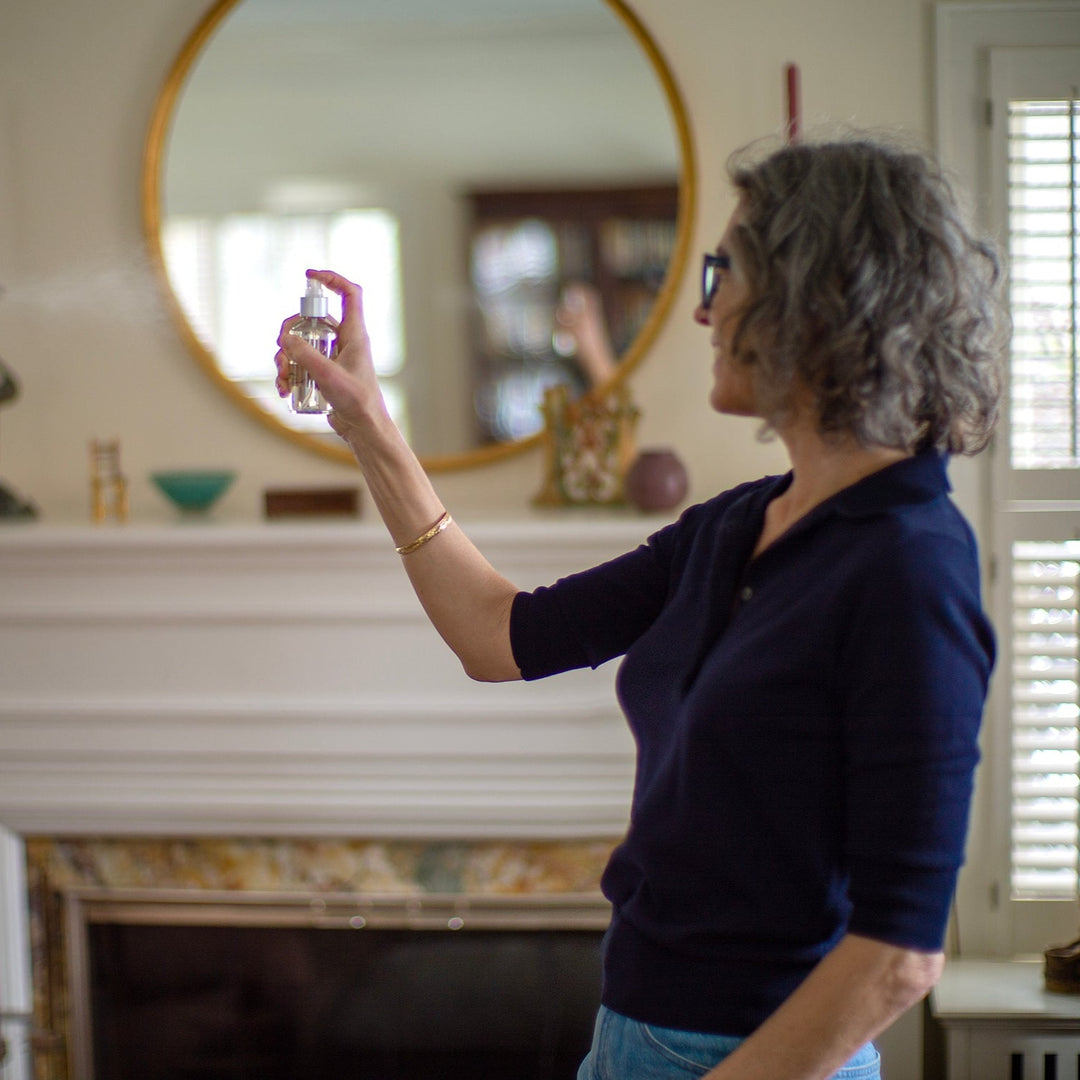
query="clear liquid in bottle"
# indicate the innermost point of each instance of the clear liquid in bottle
(317, 330)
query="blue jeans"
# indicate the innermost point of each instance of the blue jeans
(624, 1049)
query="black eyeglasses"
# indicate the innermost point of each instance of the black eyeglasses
(710, 279)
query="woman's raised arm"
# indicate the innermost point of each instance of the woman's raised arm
(467, 600)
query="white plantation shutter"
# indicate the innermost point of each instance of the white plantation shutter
(1045, 718)
(1043, 185)
(1036, 152)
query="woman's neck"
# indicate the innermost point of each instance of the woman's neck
(821, 467)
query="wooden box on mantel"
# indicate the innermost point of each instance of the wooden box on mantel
(311, 502)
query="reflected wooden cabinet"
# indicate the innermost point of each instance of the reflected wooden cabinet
(525, 248)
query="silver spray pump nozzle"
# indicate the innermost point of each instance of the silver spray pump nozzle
(314, 303)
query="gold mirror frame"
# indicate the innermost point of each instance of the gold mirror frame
(154, 162)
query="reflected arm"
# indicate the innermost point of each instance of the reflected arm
(581, 314)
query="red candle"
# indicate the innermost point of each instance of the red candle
(791, 71)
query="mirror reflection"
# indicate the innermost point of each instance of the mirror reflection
(510, 182)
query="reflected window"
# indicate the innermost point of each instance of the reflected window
(238, 275)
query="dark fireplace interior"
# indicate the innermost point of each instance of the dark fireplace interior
(181, 1002)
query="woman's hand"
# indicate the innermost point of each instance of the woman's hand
(348, 382)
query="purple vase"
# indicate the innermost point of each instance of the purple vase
(656, 480)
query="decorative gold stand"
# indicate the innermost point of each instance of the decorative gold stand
(588, 448)
(108, 486)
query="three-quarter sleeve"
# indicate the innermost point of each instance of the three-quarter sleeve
(588, 618)
(916, 662)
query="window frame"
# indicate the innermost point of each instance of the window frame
(1004, 505)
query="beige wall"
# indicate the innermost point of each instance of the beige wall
(84, 327)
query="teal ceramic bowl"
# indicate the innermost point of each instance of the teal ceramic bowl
(193, 490)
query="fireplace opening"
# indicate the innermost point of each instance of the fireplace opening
(391, 990)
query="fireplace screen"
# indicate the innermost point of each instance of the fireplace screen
(381, 990)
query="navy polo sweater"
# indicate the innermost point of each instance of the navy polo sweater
(806, 726)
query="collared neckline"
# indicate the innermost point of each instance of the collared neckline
(916, 479)
(920, 478)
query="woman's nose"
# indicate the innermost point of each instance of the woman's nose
(701, 315)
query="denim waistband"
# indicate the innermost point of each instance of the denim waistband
(629, 1048)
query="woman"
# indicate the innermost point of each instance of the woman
(805, 656)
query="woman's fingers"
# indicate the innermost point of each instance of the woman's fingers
(294, 348)
(281, 361)
(350, 376)
(352, 296)
(288, 324)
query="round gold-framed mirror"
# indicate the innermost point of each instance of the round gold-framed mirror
(598, 179)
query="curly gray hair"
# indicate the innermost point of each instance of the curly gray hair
(868, 288)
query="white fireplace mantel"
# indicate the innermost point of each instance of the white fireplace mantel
(281, 679)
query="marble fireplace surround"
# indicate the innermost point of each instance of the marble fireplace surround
(335, 884)
(255, 709)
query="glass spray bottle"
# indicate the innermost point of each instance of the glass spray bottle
(317, 330)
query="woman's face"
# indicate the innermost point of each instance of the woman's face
(733, 384)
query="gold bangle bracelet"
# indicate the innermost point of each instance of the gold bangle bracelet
(423, 538)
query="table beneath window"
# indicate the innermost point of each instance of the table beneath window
(1000, 1023)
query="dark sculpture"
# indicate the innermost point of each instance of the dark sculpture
(12, 505)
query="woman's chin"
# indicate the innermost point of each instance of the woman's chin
(729, 405)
